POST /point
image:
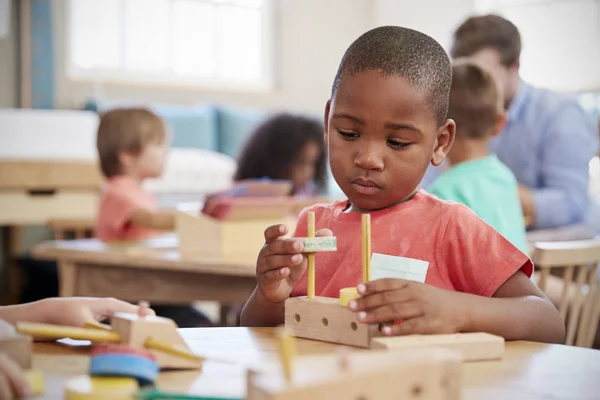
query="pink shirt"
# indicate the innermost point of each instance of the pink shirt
(121, 196)
(464, 253)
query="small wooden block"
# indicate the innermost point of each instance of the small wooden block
(472, 346)
(15, 345)
(35, 379)
(135, 331)
(318, 244)
(100, 387)
(323, 318)
(425, 374)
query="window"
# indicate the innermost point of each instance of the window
(560, 40)
(217, 43)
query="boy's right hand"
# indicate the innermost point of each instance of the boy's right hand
(12, 380)
(281, 263)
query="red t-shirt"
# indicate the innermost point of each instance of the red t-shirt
(121, 196)
(464, 253)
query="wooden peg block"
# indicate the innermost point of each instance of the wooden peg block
(323, 318)
(472, 346)
(318, 244)
(135, 331)
(425, 374)
(15, 345)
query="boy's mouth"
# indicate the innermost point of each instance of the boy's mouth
(366, 186)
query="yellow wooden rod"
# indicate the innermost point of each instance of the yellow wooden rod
(287, 353)
(363, 234)
(368, 245)
(154, 344)
(47, 331)
(311, 257)
(97, 325)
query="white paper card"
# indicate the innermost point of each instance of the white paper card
(384, 266)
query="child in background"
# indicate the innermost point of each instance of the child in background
(477, 178)
(74, 311)
(131, 147)
(385, 123)
(286, 147)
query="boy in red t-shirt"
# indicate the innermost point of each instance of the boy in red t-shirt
(385, 122)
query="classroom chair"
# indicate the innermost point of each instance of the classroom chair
(75, 228)
(579, 304)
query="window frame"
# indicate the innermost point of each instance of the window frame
(266, 83)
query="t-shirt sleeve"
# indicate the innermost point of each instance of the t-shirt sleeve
(478, 258)
(120, 208)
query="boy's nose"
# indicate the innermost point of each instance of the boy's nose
(369, 157)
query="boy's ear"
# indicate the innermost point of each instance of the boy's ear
(126, 159)
(500, 123)
(326, 124)
(443, 142)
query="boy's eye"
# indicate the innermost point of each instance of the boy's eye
(348, 135)
(396, 144)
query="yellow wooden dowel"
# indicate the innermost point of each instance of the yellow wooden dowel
(287, 353)
(368, 245)
(97, 325)
(35, 380)
(311, 258)
(47, 331)
(154, 344)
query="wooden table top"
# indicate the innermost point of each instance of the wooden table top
(156, 253)
(527, 371)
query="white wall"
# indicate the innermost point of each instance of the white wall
(312, 36)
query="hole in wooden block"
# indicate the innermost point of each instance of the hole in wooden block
(297, 317)
(325, 322)
(445, 382)
(416, 391)
(353, 326)
(361, 397)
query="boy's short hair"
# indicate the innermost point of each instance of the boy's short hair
(406, 53)
(479, 32)
(129, 130)
(475, 100)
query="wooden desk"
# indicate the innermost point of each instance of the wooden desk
(528, 370)
(152, 270)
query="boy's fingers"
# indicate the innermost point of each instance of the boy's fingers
(278, 261)
(379, 299)
(414, 326)
(274, 275)
(391, 312)
(324, 232)
(285, 246)
(275, 231)
(382, 285)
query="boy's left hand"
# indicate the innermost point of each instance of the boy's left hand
(421, 308)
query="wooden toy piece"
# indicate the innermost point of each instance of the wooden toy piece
(124, 361)
(472, 346)
(425, 374)
(15, 345)
(323, 318)
(35, 379)
(287, 352)
(366, 247)
(47, 331)
(99, 387)
(311, 257)
(347, 294)
(97, 325)
(136, 331)
(318, 244)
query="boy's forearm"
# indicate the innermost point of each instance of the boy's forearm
(29, 312)
(159, 220)
(518, 318)
(258, 311)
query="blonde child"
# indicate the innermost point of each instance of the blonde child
(477, 178)
(131, 147)
(385, 123)
(74, 311)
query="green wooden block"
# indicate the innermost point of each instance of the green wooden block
(319, 244)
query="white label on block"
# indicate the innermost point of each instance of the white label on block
(385, 266)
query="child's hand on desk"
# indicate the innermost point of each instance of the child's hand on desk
(76, 311)
(12, 380)
(281, 263)
(421, 308)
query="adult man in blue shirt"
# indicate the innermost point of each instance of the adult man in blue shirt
(548, 140)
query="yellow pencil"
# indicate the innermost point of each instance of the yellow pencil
(311, 258)
(170, 349)
(47, 331)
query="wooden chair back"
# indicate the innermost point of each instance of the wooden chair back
(579, 304)
(71, 228)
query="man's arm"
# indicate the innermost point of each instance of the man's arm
(569, 144)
